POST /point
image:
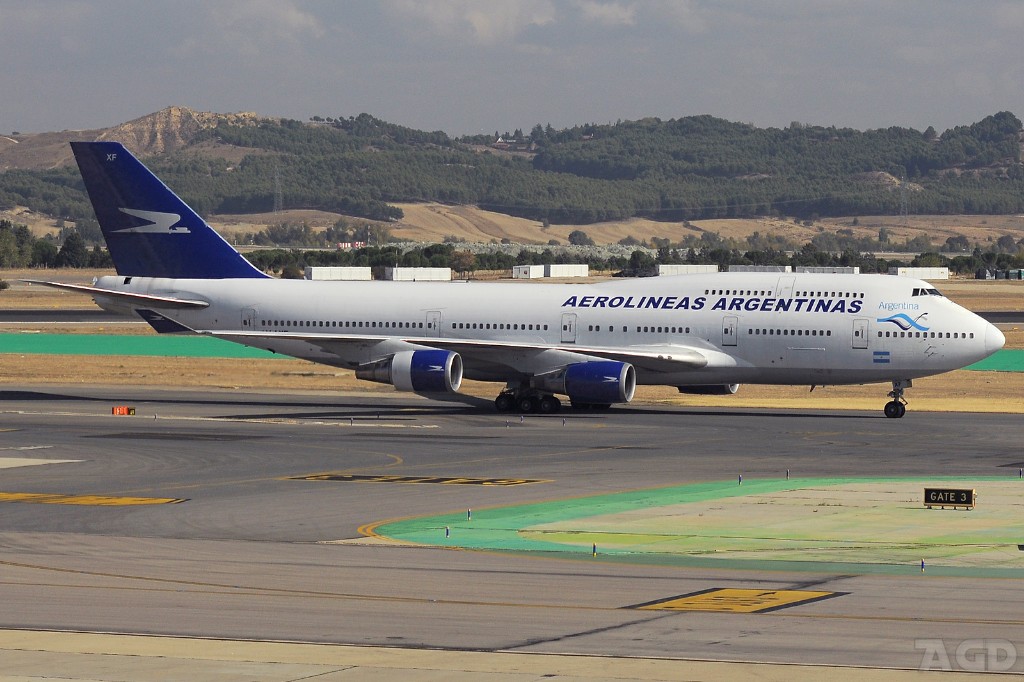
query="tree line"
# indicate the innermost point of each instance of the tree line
(20, 249)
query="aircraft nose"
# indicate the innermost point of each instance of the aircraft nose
(994, 339)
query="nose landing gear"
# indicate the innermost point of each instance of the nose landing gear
(897, 407)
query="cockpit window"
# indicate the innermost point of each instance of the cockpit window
(925, 291)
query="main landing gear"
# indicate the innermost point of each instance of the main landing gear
(897, 407)
(526, 401)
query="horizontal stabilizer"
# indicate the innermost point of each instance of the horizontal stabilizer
(161, 324)
(126, 296)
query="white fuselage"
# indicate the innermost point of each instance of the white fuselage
(810, 329)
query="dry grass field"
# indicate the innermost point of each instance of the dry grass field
(956, 391)
(431, 222)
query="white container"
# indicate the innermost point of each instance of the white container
(347, 273)
(566, 270)
(837, 270)
(920, 273)
(686, 269)
(418, 274)
(527, 271)
(760, 268)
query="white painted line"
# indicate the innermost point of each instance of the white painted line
(11, 462)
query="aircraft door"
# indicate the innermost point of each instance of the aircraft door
(433, 323)
(729, 327)
(860, 333)
(568, 327)
(785, 287)
(248, 319)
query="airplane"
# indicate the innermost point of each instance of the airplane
(592, 343)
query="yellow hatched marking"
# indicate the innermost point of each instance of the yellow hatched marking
(735, 600)
(89, 500)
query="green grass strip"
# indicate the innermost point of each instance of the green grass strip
(498, 529)
(1001, 361)
(109, 344)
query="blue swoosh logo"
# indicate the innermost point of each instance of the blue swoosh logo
(903, 321)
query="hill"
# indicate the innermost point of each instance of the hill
(631, 180)
(162, 132)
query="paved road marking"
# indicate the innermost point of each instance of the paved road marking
(736, 600)
(86, 500)
(11, 462)
(441, 480)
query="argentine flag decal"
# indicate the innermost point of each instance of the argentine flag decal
(881, 357)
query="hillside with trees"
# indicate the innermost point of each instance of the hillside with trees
(690, 168)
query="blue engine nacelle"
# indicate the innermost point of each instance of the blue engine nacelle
(710, 389)
(419, 371)
(598, 382)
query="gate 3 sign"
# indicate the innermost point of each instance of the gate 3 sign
(950, 497)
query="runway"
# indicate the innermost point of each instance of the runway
(235, 536)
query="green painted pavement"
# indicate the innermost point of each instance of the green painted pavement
(108, 344)
(1001, 361)
(209, 347)
(508, 528)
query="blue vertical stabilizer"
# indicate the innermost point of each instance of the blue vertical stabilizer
(149, 231)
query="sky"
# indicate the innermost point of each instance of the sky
(480, 66)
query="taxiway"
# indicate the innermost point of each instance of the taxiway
(239, 543)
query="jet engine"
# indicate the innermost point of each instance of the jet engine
(419, 371)
(710, 389)
(598, 382)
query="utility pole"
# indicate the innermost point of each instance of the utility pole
(278, 195)
(904, 201)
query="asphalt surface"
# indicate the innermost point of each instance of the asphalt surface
(249, 552)
(62, 316)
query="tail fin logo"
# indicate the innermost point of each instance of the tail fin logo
(160, 223)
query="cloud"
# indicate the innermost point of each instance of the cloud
(678, 13)
(607, 13)
(482, 22)
(264, 21)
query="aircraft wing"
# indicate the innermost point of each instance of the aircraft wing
(664, 358)
(660, 358)
(125, 296)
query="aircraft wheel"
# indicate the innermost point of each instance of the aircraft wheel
(894, 409)
(527, 403)
(549, 404)
(504, 402)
